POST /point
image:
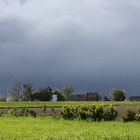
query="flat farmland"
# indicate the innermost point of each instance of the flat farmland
(48, 128)
(55, 108)
(56, 128)
(61, 104)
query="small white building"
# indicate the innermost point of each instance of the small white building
(54, 97)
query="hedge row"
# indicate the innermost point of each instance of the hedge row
(23, 112)
(92, 112)
(83, 112)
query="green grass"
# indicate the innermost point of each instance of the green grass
(47, 128)
(58, 104)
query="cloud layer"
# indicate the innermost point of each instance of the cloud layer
(90, 44)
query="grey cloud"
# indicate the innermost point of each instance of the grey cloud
(92, 45)
(21, 2)
(13, 30)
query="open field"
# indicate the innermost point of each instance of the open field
(48, 128)
(60, 104)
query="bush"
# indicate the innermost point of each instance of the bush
(84, 112)
(13, 112)
(98, 114)
(137, 117)
(32, 113)
(70, 112)
(110, 114)
(129, 116)
(26, 112)
(92, 112)
(44, 109)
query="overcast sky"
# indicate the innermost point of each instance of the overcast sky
(93, 45)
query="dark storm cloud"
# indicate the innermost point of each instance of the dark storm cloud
(92, 45)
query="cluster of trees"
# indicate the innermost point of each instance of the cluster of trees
(25, 92)
(116, 95)
(21, 91)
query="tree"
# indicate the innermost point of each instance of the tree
(67, 91)
(27, 91)
(16, 90)
(118, 95)
(2, 99)
(46, 95)
(42, 95)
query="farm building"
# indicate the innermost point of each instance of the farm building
(90, 96)
(80, 97)
(134, 98)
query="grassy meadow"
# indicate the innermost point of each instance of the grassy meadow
(48, 128)
(52, 128)
(60, 104)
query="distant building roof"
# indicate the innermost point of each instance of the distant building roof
(134, 98)
(79, 97)
(90, 96)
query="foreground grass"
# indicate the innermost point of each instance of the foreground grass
(47, 128)
(59, 104)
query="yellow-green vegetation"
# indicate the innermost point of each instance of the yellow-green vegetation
(92, 112)
(48, 128)
(60, 104)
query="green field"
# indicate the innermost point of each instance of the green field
(48, 128)
(59, 104)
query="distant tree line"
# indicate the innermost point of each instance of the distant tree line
(116, 95)
(23, 91)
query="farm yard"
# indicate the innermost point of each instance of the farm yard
(46, 127)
